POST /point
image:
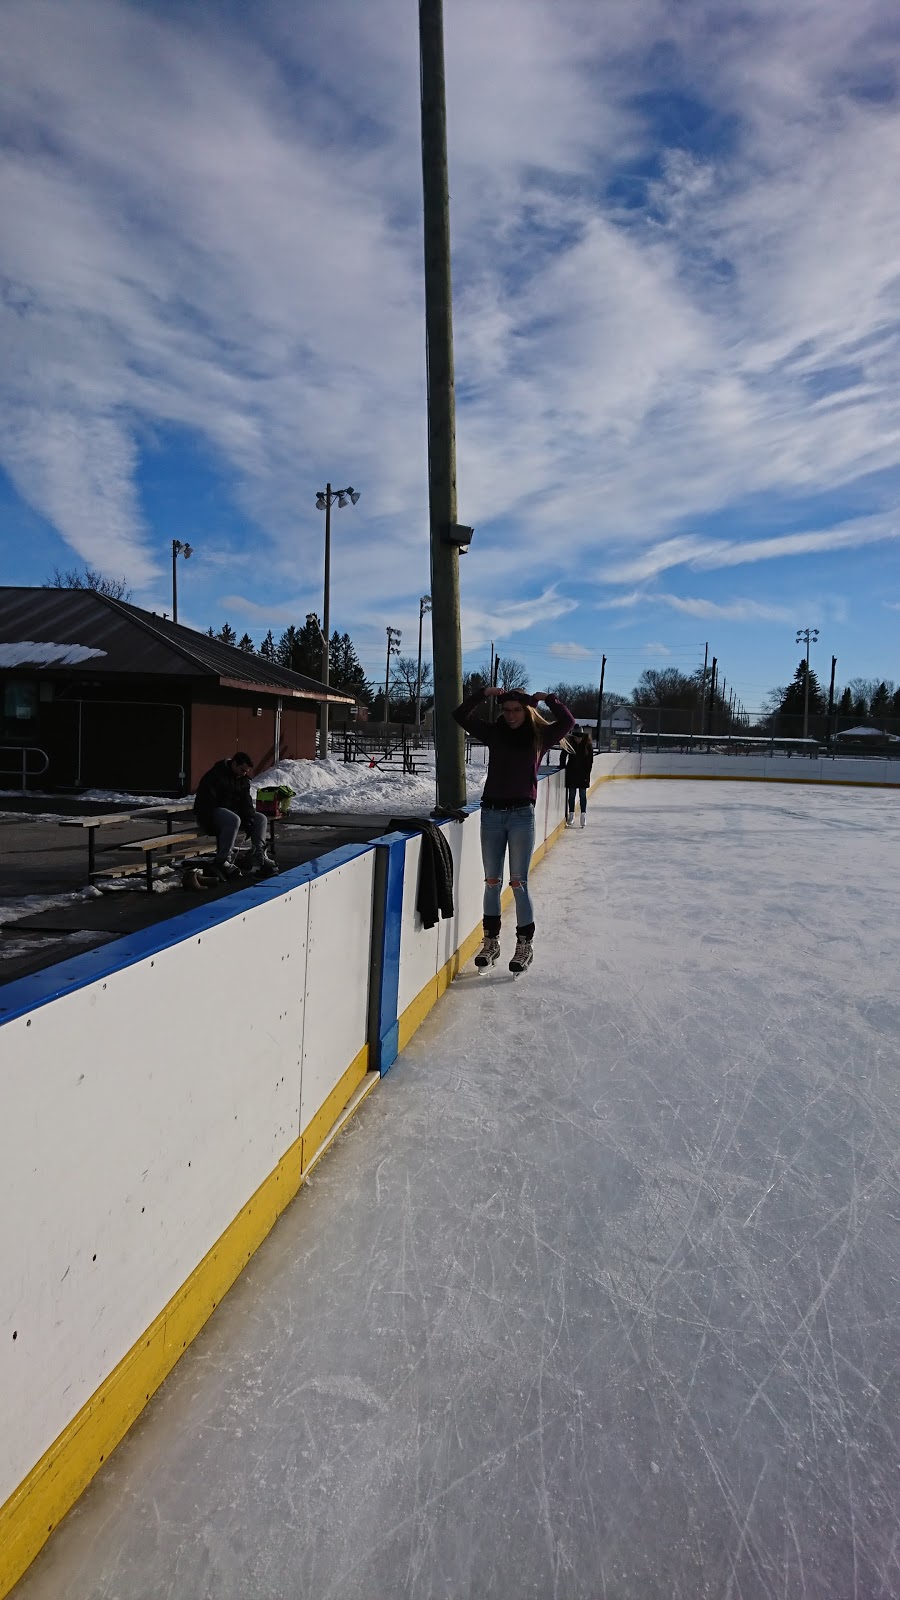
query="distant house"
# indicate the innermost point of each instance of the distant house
(114, 697)
(622, 720)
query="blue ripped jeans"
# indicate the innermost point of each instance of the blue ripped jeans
(513, 830)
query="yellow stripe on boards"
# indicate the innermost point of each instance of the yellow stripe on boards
(745, 777)
(53, 1485)
(315, 1131)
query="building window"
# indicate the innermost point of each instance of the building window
(20, 700)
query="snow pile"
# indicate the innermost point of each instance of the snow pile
(334, 785)
(29, 905)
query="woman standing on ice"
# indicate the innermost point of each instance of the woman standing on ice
(577, 759)
(515, 745)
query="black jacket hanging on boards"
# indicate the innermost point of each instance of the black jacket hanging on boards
(434, 895)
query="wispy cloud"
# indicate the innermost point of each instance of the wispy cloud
(572, 652)
(509, 617)
(742, 610)
(709, 554)
(217, 236)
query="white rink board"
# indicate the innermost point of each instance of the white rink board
(799, 769)
(418, 944)
(468, 886)
(337, 978)
(149, 1108)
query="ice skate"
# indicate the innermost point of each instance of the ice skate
(582, 819)
(570, 820)
(489, 951)
(266, 866)
(524, 955)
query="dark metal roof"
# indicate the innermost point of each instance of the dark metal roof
(82, 633)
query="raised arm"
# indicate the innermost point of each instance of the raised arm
(563, 720)
(465, 716)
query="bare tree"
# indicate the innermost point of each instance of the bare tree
(114, 588)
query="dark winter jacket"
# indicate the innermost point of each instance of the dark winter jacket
(578, 762)
(513, 762)
(222, 787)
(435, 888)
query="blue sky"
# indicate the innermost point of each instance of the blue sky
(676, 239)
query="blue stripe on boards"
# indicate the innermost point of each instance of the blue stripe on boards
(27, 994)
(386, 958)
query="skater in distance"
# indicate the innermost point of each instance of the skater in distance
(516, 744)
(577, 759)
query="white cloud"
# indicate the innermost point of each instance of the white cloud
(709, 554)
(508, 617)
(207, 245)
(729, 611)
(569, 651)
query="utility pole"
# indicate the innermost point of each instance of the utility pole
(600, 699)
(424, 606)
(447, 650)
(703, 684)
(806, 634)
(393, 649)
(178, 549)
(712, 693)
(831, 703)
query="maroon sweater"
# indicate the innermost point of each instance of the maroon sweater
(513, 762)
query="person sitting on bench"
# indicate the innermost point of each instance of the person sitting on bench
(222, 805)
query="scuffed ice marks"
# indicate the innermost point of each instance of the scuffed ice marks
(597, 1296)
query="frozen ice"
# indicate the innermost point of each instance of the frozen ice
(597, 1295)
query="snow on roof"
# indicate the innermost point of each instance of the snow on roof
(41, 653)
(866, 733)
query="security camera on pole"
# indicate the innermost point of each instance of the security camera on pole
(324, 501)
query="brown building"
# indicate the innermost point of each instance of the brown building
(98, 694)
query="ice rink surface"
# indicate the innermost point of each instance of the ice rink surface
(598, 1295)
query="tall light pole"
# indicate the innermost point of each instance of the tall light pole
(324, 501)
(600, 702)
(178, 549)
(445, 549)
(424, 606)
(393, 649)
(806, 634)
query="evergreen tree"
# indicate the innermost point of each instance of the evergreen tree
(895, 706)
(226, 634)
(246, 644)
(881, 699)
(284, 650)
(845, 704)
(210, 633)
(267, 648)
(794, 695)
(345, 669)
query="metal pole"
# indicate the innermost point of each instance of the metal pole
(600, 699)
(174, 580)
(424, 605)
(326, 608)
(447, 649)
(806, 691)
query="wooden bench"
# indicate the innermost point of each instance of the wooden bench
(92, 824)
(167, 814)
(162, 841)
